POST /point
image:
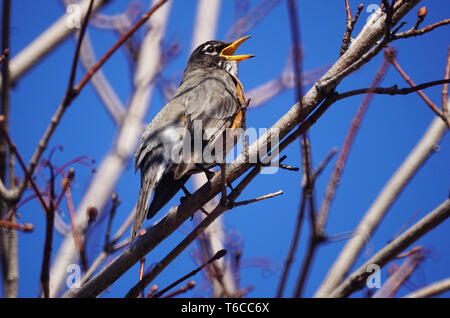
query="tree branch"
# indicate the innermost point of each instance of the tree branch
(47, 41)
(416, 158)
(431, 290)
(285, 125)
(393, 90)
(113, 165)
(357, 280)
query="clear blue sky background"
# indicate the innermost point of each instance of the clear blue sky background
(390, 130)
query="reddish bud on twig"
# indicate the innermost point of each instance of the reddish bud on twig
(390, 54)
(420, 17)
(68, 179)
(183, 289)
(92, 214)
(422, 13)
(71, 174)
(153, 289)
(218, 255)
(4, 55)
(28, 227)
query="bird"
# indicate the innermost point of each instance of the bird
(208, 103)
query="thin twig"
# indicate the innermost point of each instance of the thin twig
(349, 26)
(217, 256)
(247, 22)
(263, 197)
(297, 53)
(308, 184)
(103, 255)
(183, 289)
(118, 44)
(343, 155)
(65, 185)
(29, 178)
(431, 290)
(348, 11)
(324, 163)
(445, 87)
(298, 226)
(73, 70)
(50, 216)
(401, 274)
(79, 243)
(315, 237)
(430, 104)
(115, 203)
(27, 227)
(393, 90)
(414, 32)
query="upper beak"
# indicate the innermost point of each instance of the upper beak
(230, 49)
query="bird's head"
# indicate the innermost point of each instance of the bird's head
(218, 54)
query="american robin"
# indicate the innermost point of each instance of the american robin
(211, 97)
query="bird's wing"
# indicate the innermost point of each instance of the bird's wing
(152, 156)
(211, 103)
(164, 130)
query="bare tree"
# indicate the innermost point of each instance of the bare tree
(148, 59)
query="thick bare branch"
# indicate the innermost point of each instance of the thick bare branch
(431, 290)
(372, 218)
(285, 125)
(357, 280)
(113, 165)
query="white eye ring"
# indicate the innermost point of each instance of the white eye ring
(210, 50)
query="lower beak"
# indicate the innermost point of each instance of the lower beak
(227, 52)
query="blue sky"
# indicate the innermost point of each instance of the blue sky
(391, 128)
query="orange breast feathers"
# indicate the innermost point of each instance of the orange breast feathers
(240, 91)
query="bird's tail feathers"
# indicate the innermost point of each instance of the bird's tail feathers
(145, 193)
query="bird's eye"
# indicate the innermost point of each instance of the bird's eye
(210, 49)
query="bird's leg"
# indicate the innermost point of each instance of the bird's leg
(276, 164)
(223, 179)
(244, 128)
(188, 194)
(224, 198)
(209, 174)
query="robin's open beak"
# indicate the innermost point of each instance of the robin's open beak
(230, 49)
